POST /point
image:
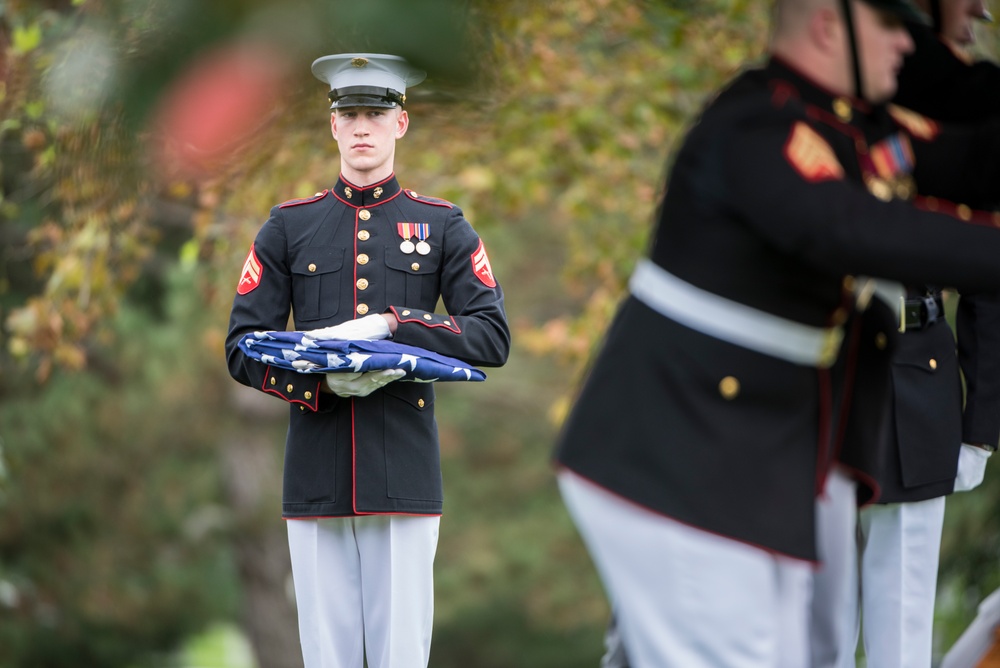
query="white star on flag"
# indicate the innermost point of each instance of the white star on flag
(290, 355)
(334, 361)
(357, 359)
(306, 343)
(468, 372)
(409, 359)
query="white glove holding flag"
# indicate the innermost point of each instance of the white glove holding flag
(971, 467)
(371, 327)
(361, 384)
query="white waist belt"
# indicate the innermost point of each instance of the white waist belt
(731, 321)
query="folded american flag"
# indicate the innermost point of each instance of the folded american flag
(298, 352)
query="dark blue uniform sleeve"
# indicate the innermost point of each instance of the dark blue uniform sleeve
(838, 225)
(263, 303)
(474, 329)
(960, 163)
(978, 329)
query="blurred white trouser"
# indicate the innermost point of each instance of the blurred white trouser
(364, 583)
(686, 598)
(899, 546)
(833, 622)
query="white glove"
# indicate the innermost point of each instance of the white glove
(361, 384)
(370, 327)
(971, 467)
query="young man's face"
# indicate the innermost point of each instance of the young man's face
(957, 19)
(367, 140)
(883, 42)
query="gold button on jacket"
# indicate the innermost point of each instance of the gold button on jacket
(729, 388)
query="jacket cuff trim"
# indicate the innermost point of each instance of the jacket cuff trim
(304, 393)
(426, 318)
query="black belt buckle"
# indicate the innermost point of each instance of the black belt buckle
(922, 312)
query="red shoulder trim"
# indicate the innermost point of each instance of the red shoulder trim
(782, 92)
(916, 124)
(429, 200)
(308, 200)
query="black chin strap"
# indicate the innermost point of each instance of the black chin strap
(853, 39)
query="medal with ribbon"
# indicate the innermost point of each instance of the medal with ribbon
(419, 230)
(889, 165)
(406, 231)
(423, 231)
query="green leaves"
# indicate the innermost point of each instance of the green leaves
(26, 39)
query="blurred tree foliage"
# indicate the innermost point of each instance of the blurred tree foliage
(121, 240)
(112, 523)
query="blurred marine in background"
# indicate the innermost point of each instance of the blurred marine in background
(365, 259)
(713, 417)
(934, 442)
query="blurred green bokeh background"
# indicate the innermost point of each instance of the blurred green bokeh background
(142, 143)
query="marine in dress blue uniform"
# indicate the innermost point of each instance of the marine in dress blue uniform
(939, 83)
(935, 441)
(371, 459)
(713, 450)
(960, 89)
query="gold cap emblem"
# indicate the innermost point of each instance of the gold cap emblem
(359, 62)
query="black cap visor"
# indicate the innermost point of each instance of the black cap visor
(903, 9)
(365, 96)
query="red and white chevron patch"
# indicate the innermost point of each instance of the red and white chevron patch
(481, 266)
(252, 270)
